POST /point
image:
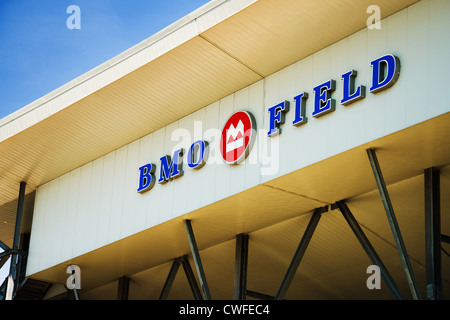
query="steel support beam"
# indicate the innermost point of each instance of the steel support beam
(19, 215)
(240, 267)
(123, 288)
(170, 278)
(445, 238)
(3, 246)
(191, 278)
(368, 248)
(197, 260)
(4, 256)
(3, 260)
(433, 234)
(16, 241)
(298, 255)
(258, 295)
(77, 294)
(393, 224)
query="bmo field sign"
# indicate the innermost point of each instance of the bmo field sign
(239, 132)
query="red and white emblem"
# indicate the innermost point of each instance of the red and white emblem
(237, 137)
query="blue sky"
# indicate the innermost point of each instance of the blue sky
(38, 53)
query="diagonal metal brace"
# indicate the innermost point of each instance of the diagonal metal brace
(191, 278)
(393, 223)
(13, 251)
(298, 255)
(370, 251)
(170, 279)
(3, 246)
(197, 260)
(445, 238)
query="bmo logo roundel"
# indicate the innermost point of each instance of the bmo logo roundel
(237, 137)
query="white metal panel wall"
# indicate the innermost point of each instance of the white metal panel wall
(411, 35)
(97, 203)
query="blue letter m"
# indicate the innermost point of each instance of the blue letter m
(171, 169)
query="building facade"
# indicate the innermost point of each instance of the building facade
(272, 151)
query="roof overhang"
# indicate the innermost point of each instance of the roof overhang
(220, 48)
(275, 215)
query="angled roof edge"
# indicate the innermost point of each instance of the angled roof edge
(217, 11)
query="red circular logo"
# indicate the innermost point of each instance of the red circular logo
(237, 137)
